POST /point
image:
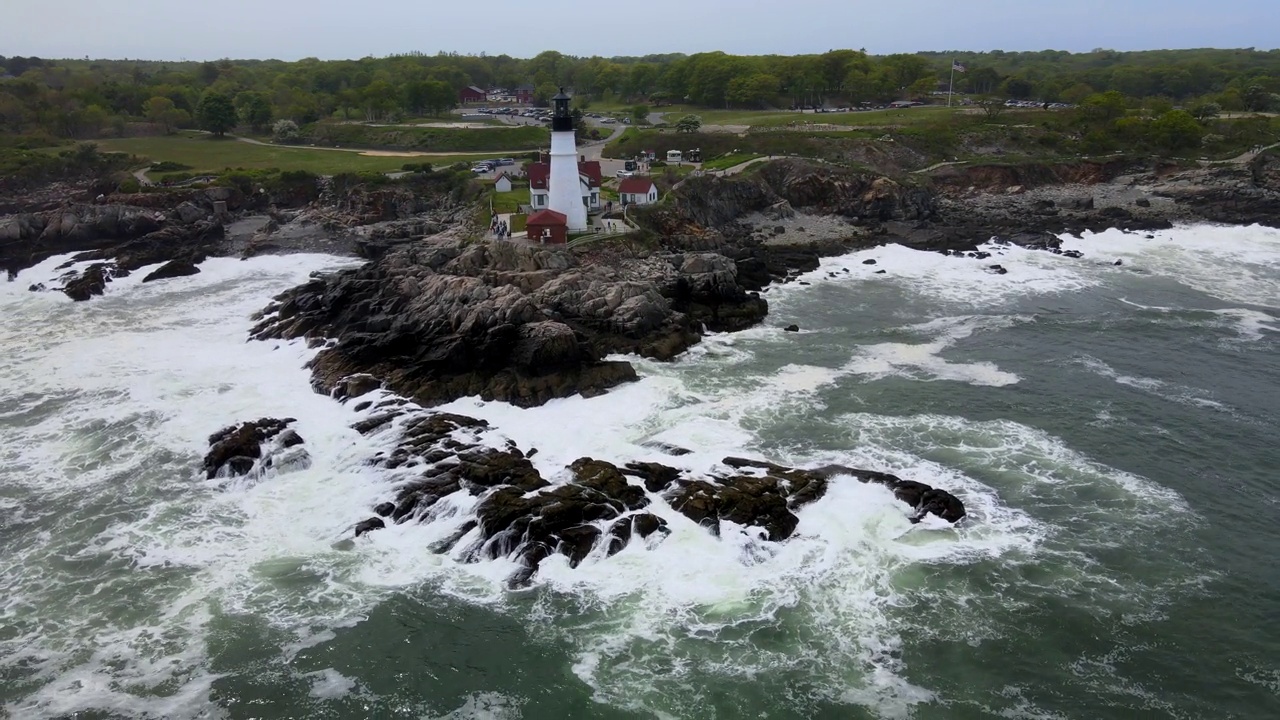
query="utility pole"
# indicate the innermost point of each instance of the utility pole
(952, 85)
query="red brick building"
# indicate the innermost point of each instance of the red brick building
(524, 94)
(547, 226)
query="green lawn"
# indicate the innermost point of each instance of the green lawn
(207, 154)
(517, 223)
(727, 161)
(510, 202)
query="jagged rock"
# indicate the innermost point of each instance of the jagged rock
(656, 477)
(506, 321)
(880, 272)
(354, 386)
(998, 270)
(1142, 202)
(1118, 262)
(92, 281)
(791, 328)
(235, 450)
(520, 514)
(172, 269)
(188, 213)
(869, 261)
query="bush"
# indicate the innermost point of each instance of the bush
(168, 166)
(416, 167)
(129, 186)
(285, 131)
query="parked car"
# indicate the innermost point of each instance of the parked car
(624, 174)
(503, 162)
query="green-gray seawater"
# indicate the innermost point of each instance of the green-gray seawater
(1111, 429)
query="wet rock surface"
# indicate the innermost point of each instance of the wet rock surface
(436, 321)
(255, 447)
(594, 506)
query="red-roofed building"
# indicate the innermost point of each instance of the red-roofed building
(548, 227)
(638, 191)
(589, 178)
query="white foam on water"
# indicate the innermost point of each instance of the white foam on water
(117, 508)
(1249, 325)
(147, 372)
(661, 618)
(329, 684)
(1233, 264)
(485, 706)
(1173, 392)
(953, 280)
(922, 361)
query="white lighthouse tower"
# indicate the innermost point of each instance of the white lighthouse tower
(564, 186)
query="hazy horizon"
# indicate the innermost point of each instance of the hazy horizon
(290, 30)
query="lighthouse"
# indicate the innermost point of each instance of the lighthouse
(564, 184)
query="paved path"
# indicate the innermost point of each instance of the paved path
(1242, 158)
(935, 166)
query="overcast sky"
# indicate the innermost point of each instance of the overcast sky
(329, 29)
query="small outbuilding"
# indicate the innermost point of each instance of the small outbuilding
(638, 191)
(674, 156)
(502, 184)
(547, 227)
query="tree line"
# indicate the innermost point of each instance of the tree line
(84, 98)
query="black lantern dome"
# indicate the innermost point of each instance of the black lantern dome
(561, 120)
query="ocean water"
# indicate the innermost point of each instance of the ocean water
(1111, 429)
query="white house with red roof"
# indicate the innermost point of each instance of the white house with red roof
(638, 191)
(589, 179)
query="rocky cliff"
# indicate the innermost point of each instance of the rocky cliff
(442, 320)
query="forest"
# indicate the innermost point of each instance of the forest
(84, 99)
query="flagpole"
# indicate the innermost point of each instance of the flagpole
(951, 87)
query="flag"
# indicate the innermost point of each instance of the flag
(957, 67)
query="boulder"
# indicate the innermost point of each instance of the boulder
(172, 269)
(364, 526)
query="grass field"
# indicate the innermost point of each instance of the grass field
(773, 118)
(728, 161)
(510, 202)
(206, 154)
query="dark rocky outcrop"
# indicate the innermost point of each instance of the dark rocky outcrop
(172, 269)
(599, 506)
(89, 282)
(258, 445)
(438, 321)
(149, 229)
